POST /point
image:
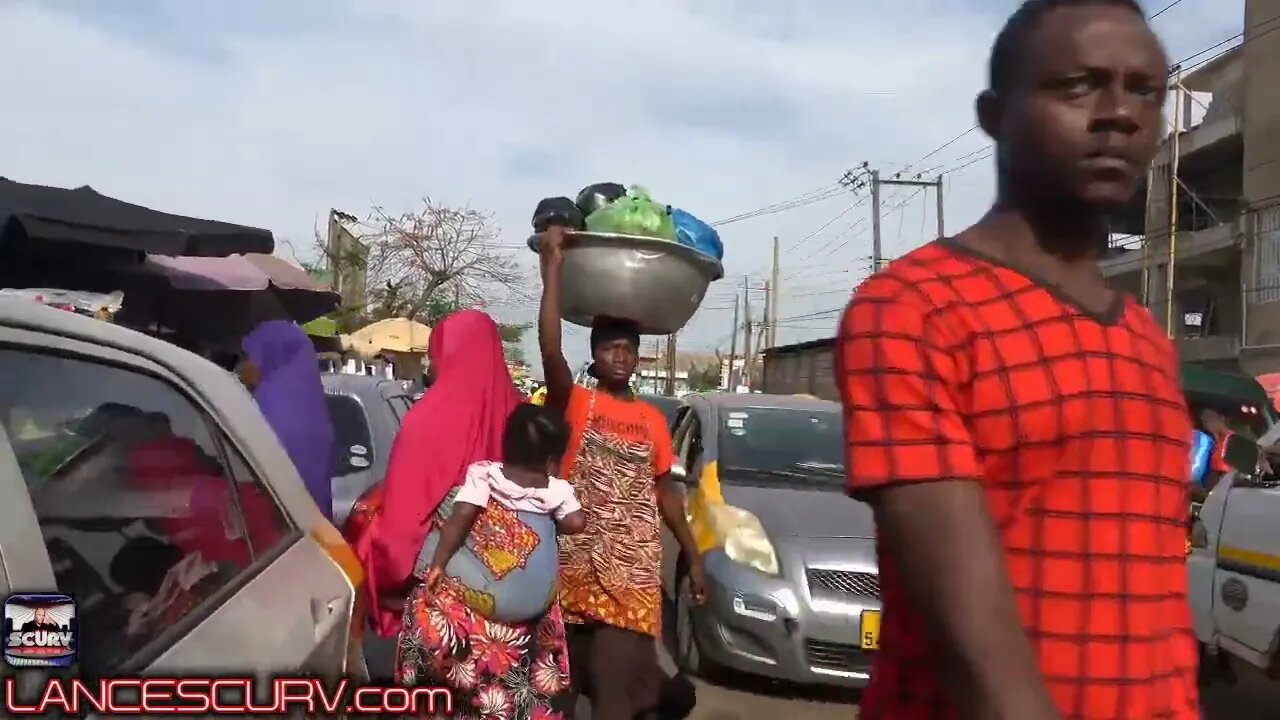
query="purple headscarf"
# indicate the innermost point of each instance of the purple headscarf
(291, 397)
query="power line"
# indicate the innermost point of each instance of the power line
(939, 149)
(1165, 9)
(1185, 68)
(825, 192)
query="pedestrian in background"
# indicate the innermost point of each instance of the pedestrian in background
(1017, 426)
(618, 461)
(279, 366)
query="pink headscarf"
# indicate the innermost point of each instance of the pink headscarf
(457, 422)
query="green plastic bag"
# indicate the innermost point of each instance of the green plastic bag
(634, 214)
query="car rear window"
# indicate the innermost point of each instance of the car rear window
(400, 405)
(352, 439)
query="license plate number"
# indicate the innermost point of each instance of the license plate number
(870, 627)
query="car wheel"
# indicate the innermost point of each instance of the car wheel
(688, 656)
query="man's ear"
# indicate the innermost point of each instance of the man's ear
(990, 111)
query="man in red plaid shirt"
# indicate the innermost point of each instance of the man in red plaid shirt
(1017, 426)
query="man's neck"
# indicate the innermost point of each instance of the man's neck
(1061, 247)
(1067, 229)
(1046, 233)
(622, 392)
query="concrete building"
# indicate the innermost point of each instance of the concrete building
(346, 260)
(1223, 305)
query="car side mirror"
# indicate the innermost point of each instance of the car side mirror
(1243, 455)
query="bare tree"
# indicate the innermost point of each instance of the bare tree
(424, 264)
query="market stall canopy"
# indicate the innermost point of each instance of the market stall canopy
(324, 327)
(323, 332)
(399, 335)
(31, 215)
(221, 298)
(248, 272)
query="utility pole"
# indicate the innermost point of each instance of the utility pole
(1175, 151)
(733, 347)
(775, 297)
(746, 332)
(657, 363)
(877, 252)
(768, 316)
(942, 228)
(671, 365)
(1146, 239)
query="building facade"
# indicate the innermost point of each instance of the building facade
(806, 368)
(1215, 281)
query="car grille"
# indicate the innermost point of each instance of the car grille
(862, 584)
(824, 655)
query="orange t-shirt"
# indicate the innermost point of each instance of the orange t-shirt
(952, 366)
(1218, 461)
(610, 573)
(628, 420)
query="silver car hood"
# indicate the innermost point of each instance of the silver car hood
(803, 513)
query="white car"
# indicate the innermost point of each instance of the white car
(1234, 567)
(143, 481)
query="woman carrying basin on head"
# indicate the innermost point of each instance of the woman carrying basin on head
(618, 461)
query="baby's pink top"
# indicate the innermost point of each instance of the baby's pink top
(485, 481)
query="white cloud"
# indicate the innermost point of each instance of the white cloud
(261, 114)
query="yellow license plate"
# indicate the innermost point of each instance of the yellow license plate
(870, 627)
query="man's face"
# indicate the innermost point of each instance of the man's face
(249, 373)
(1082, 119)
(1213, 422)
(42, 616)
(615, 360)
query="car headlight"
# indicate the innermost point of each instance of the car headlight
(744, 538)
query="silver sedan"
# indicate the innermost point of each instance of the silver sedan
(793, 586)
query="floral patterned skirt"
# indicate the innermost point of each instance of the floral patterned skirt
(495, 671)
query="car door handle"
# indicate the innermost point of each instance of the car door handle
(327, 615)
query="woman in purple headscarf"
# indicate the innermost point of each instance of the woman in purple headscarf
(279, 366)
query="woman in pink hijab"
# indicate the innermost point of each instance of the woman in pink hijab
(512, 671)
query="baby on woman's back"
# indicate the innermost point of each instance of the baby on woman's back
(533, 443)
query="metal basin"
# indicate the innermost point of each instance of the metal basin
(657, 283)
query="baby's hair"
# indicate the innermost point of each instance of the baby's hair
(534, 436)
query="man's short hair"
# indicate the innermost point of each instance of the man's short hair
(1010, 43)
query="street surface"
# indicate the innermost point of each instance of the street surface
(1251, 699)
(738, 698)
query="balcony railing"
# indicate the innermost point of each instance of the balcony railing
(1208, 133)
(1127, 255)
(1209, 348)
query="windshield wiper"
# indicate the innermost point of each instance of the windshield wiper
(766, 471)
(778, 472)
(823, 468)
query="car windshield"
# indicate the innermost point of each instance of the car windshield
(782, 447)
(1242, 417)
(400, 405)
(352, 442)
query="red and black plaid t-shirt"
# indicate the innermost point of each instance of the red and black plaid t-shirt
(952, 366)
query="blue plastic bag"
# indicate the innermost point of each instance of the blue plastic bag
(692, 232)
(1201, 448)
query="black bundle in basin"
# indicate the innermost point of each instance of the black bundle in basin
(559, 211)
(594, 197)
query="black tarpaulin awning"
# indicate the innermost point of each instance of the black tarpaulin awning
(35, 215)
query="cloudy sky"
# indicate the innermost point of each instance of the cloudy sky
(270, 112)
